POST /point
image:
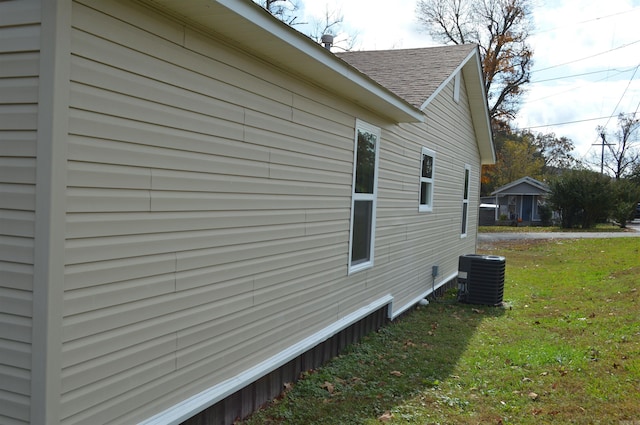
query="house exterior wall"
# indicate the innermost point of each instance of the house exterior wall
(519, 207)
(19, 71)
(412, 241)
(207, 215)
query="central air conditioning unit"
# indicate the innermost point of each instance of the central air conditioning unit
(481, 279)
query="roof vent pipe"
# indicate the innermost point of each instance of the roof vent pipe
(327, 41)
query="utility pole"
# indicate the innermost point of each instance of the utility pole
(603, 144)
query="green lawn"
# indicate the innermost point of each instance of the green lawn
(565, 349)
(603, 227)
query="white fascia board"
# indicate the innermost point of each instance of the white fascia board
(319, 64)
(472, 71)
(481, 120)
(446, 81)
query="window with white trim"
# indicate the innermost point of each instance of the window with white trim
(465, 201)
(363, 199)
(427, 169)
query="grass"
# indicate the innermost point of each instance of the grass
(601, 227)
(566, 349)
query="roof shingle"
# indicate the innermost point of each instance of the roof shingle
(412, 74)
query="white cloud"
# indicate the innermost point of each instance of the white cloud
(577, 37)
(379, 24)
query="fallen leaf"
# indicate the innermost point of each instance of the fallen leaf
(396, 373)
(288, 386)
(533, 396)
(475, 310)
(385, 417)
(328, 386)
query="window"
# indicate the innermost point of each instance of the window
(465, 201)
(363, 199)
(426, 179)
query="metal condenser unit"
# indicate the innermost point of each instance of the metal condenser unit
(481, 279)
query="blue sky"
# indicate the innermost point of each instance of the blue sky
(586, 58)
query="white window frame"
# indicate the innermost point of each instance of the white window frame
(364, 127)
(466, 188)
(428, 206)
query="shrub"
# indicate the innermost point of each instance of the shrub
(626, 194)
(583, 197)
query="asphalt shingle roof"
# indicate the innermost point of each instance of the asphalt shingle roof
(412, 74)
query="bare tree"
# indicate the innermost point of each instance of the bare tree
(329, 24)
(621, 156)
(284, 10)
(501, 29)
(332, 24)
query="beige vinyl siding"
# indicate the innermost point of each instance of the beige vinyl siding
(208, 208)
(410, 243)
(19, 62)
(207, 215)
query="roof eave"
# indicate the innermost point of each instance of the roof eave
(249, 27)
(503, 190)
(472, 72)
(471, 69)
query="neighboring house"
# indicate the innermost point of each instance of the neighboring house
(519, 201)
(197, 202)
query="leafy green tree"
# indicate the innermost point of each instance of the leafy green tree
(517, 157)
(626, 195)
(554, 151)
(583, 197)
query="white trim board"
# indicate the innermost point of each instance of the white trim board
(417, 299)
(207, 398)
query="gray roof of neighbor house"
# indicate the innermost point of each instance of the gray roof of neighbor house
(249, 27)
(523, 186)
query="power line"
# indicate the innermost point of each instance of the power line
(571, 89)
(568, 122)
(587, 57)
(618, 71)
(586, 21)
(622, 97)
